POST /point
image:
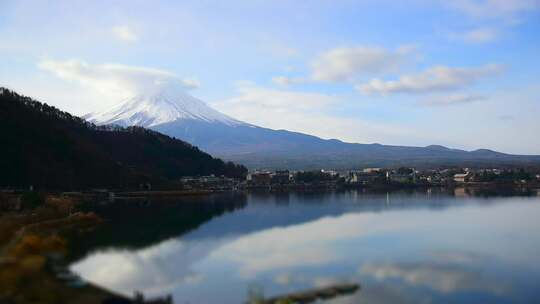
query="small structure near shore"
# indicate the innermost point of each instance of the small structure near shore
(463, 177)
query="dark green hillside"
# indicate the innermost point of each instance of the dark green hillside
(48, 148)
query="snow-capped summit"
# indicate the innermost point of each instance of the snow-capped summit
(162, 105)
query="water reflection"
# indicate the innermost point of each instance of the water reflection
(402, 247)
(140, 223)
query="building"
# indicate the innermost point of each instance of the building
(210, 182)
(400, 178)
(371, 170)
(362, 177)
(259, 178)
(330, 172)
(463, 177)
(281, 177)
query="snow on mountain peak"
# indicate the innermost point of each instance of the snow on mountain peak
(162, 105)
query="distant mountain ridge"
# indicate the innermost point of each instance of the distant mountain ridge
(46, 147)
(173, 112)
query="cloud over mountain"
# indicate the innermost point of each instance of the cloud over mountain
(117, 79)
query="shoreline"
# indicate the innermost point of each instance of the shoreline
(33, 246)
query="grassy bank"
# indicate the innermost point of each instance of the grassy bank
(29, 239)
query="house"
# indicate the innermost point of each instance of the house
(281, 177)
(362, 177)
(463, 177)
(397, 177)
(371, 170)
(210, 182)
(259, 178)
(330, 172)
(401, 178)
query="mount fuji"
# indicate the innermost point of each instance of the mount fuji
(164, 105)
(170, 110)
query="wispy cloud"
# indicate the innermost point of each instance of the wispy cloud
(308, 112)
(124, 33)
(434, 79)
(506, 117)
(285, 81)
(447, 100)
(478, 35)
(444, 278)
(270, 98)
(506, 10)
(346, 63)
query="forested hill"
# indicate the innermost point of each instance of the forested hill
(48, 148)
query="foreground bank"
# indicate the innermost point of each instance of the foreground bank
(33, 249)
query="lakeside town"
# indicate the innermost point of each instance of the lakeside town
(391, 178)
(367, 179)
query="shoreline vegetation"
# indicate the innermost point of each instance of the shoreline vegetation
(33, 246)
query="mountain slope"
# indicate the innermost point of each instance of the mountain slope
(177, 114)
(46, 147)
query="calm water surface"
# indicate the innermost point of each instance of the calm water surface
(421, 247)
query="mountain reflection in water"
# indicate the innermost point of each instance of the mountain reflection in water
(402, 247)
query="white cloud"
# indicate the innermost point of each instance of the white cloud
(285, 81)
(439, 277)
(270, 99)
(447, 100)
(346, 63)
(437, 78)
(144, 270)
(281, 248)
(479, 35)
(124, 33)
(306, 112)
(114, 80)
(506, 117)
(283, 51)
(507, 10)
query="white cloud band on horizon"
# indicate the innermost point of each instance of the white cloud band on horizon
(434, 79)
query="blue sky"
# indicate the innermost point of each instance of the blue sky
(459, 73)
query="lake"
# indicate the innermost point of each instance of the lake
(401, 247)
